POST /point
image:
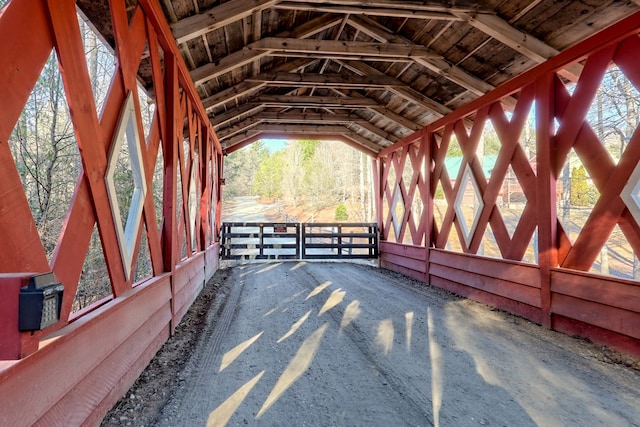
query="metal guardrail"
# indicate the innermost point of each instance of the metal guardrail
(292, 240)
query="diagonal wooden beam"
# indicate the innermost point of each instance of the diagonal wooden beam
(338, 48)
(246, 56)
(516, 39)
(382, 110)
(222, 119)
(217, 17)
(439, 66)
(402, 90)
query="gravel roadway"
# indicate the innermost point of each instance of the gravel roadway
(338, 344)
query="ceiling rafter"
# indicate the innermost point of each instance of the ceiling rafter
(245, 56)
(518, 40)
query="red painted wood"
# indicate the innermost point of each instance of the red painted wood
(418, 275)
(411, 263)
(82, 110)
(492, 285)
(609, 291)
(407, 251)
(524, 310)
(598, 335)
(525, 274)
(113, 323)
(123, 365)
(593, 313)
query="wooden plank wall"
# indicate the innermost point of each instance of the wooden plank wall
(73, 372)
(553, 287)
(406, 259)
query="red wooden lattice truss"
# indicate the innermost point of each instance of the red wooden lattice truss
(556, 290)
(110, 341)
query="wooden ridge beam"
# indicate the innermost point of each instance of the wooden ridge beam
(217, 17)
(306, 131)
(381, 81)
(350, 139)
(314, 101)
(246, 56)
(422, 5)
(338, 48)
(390, 11)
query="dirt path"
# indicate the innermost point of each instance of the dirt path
(341, 344)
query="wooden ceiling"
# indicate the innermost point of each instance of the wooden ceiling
(366, 71)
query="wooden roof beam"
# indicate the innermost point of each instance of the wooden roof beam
(391, 10)
(301, 118)
(246, 56)
(437, 65)
(518, 40)
(326, 80)
(338, 48)
(246, 87)
(314, 101)
(402, 90)
(383, 111)
(350, 139)
(309, 131)
(217, 17)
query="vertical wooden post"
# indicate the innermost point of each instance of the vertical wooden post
(376, 165)
(427, 212)
(547, 215)
(169, 226)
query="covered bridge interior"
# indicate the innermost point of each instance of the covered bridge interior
(453, 101)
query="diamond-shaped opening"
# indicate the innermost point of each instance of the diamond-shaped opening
(391, 179)
(631, 193)
(617, 258)
(193, 204)
(576, 196)
(126, 184)
(440, 206)
(511, 201)
(407, 173)
(46, 154)
(531, 254)
(148, 111)
(453, 159)
(397, 210)
(385, 208)
(158, 186)
(101, 61)
(94, 283)
(179, 207)
(615, 112)
(453, 241)
(417, 209)
(489, 246)
(488, 148)
(468, 205)
(144, 268)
